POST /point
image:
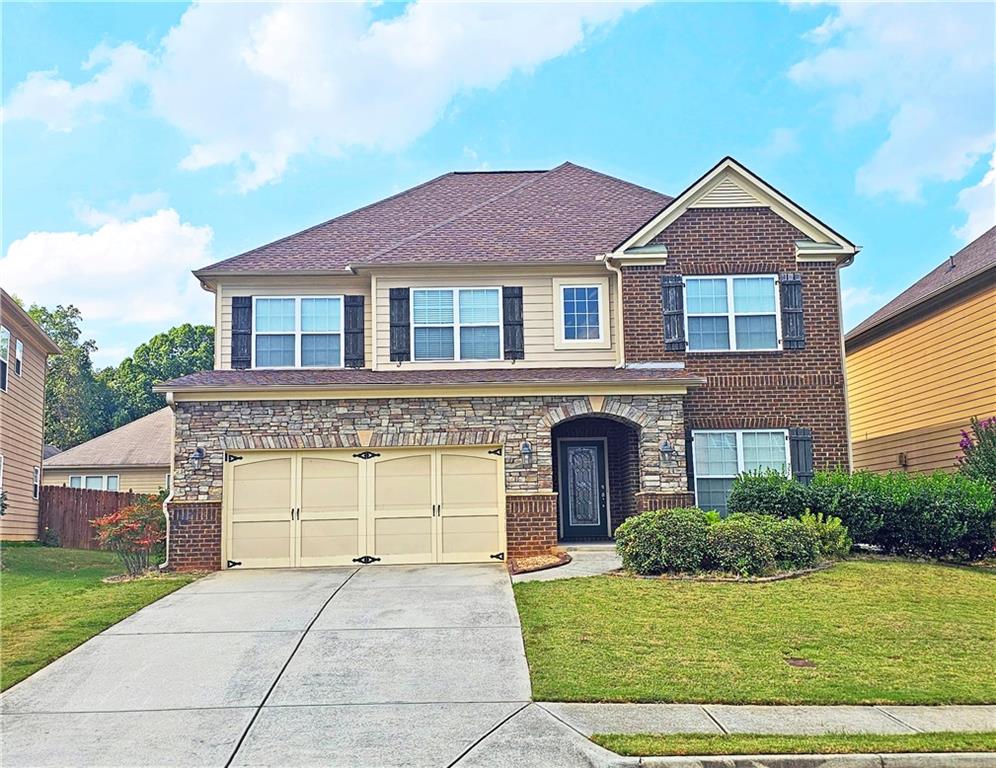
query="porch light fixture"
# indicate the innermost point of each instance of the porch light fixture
(197, 457)
(667, 450)
(526, 449)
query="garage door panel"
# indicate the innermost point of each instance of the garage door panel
(403, 486)
(407, 540)
(470, 486)
(257, 544)
(261, 492)
(332, 516)
(470, 538)
(329, 540)
(330, 487)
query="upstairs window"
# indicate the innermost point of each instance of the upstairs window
(290, 332)
(4, 356)
(732, 313)
(719, 456)
(456, 324)
(580, 315)
(18, 357)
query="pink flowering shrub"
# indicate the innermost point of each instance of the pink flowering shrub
(978, 450)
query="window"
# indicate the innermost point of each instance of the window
(18, 356)
(36, 483)
(719, 456)
(456, 324)
(4, 356)
(75, 481)
(580, 317)
(111, 483)
(732, 313)
(94, 482)
(291, 332)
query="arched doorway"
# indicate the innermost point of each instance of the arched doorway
(596, 474)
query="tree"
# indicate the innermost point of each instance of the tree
(181, 350)
(75, 401)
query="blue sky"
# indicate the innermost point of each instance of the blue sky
(143, 140)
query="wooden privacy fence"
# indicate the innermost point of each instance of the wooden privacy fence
(68, 513)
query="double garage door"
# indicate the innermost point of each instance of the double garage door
(337, 507)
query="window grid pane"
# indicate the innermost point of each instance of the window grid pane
(479, 306)
(112, 482)
(275, 315)
(320, 349)
(320, 315)
(713, 493)
(753, 294)
(706, 295)
(581, 314)
(432, 307)
(433, 343)
(479, 343)
(95, 482)
(764, 450)
(75, 481)
(275, 350)
(708, 333)
(756, 332)
(716, 454)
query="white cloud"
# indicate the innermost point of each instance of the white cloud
(927, 69)
(253, 85)
(125, 273)
(979, 205)
(858, 302)
(136, 204)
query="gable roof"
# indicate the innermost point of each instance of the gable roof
(730, 184)
(568, 213)
(144, 442)
(971, 261)
(26, 324)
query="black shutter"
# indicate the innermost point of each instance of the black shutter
(801, 454)
(241, 331)
(673, 305)
(511, 298)
(793, 329)
(689, 462)
(401, 331)
(353, 331)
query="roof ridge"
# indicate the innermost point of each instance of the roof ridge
(620, 180)
(467, 212)
(345, 215)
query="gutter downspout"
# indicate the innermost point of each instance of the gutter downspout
(843, 363)
(620, 341)
(164, 565)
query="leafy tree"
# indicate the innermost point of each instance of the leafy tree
(75, 401)
(181, 350)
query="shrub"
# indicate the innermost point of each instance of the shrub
(638, 542)
(769, 493)
(795, 545)
(855, 499)
(978, 451)
(132, 532)
(831, 535)
(741, 544)
(665, 540)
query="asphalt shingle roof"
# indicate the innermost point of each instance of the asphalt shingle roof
(143, 442)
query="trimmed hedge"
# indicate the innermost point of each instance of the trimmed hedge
(936, 515)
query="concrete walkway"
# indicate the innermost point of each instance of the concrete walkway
(585, 561)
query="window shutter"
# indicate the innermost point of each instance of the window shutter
(793, 329)
(801, 454)
(353, 331)
(689, 462)
(673, 305)
(241, 331)
(401, 329)
(511, 298)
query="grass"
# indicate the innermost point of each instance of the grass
(52, 599)
(647, 744)
(877, 631)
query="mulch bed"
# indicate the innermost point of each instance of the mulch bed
(782, 576)
(517, 565)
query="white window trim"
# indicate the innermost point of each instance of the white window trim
(456, 325)
(739, 433)
(35, 482)
(6, 359)
(103, 481)
(18, 357)
(298, 333)
(560, 341)
(1, 471)
(731, 316)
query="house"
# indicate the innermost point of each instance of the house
(24, 351)
(134, 457)
(924, 364)
(491, 363)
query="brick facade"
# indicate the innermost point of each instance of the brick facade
(652, 500)
(195, 536)
(792, 388)
(531, 523)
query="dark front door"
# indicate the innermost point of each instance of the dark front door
(583, 507)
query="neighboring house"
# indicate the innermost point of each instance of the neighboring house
(48, 451)
(490, 363)
(922, 366)
(24, 351)
(135, 457)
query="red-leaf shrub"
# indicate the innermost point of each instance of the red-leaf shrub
(133, 532)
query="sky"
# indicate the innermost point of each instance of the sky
(141, 141)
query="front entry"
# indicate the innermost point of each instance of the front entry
(583, 489)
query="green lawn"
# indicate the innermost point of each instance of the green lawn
(51, 600)
(877, 632)
(647, 744)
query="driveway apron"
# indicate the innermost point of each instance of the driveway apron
(386, 666)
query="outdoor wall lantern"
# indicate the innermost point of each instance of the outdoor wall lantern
(526, 449)
(197, 457)
(667, 450)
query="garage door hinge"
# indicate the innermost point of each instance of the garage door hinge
(233, 563)
(495, 452)
(499, 556)
(366, 559)
(230, 457)
(365, 455)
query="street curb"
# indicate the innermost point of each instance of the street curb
(879, 760)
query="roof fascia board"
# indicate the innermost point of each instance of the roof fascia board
(43, 339)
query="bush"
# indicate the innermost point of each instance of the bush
(741, 544)
(665, 540)
(133, 532)
(855, 499)
(978, 451)
(769, 493)
(795, 545)
(638, 542)
(831, 535)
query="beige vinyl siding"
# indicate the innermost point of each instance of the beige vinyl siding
(137, 479)
(538, 306)
(286, 286)
(914, 390)
(21, 434)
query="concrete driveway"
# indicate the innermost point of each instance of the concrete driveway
(385, 666)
